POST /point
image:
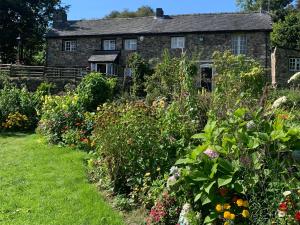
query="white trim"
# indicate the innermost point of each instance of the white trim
(178, 42)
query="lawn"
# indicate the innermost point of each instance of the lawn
(45, 185)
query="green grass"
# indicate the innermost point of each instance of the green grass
(47, 185)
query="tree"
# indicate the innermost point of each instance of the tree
(142, 11)
(29, 19)
(286, 33)
(278, 8)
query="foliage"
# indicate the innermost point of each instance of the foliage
(142, 11)
(140, 69)
(94, 90)
(17, 108)
(239, 82)
(293, 98)
(286, 33)
(172, 79)
(278, 8)
(30, 19)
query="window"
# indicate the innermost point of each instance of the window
(130, 44)
(69, 45)
(110, 69)
(107, 68)
(294, 64)
(128, 72)
(239, 45)
(109, 45)
(178, 42)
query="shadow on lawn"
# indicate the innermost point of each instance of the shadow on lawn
(14, 134)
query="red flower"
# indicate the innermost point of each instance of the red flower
(297, 216)
(283, 206)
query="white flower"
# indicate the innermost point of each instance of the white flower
(279, 102)
(295, 77)
(286, 193)
(281, 213)
(171, 181)
(174, 170)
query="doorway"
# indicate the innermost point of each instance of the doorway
(206, 76)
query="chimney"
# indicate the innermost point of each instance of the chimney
(60, 18)
(159, 13)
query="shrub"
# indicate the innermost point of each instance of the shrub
(17, 108)
(94, 90)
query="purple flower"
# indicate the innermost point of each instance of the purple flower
(211, 153)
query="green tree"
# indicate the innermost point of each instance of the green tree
(142, 11)
(278, 8)
(27, 18)
(286, 33)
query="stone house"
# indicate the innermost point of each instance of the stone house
(104, 45)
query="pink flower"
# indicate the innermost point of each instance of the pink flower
(211, 153)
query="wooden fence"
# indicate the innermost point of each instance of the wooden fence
(42, 72)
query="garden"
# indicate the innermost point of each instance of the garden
(165, 152)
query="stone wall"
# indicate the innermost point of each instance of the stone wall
(200, 46)
(280, 66)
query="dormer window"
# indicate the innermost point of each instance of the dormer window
(109, 45)
(69, 45)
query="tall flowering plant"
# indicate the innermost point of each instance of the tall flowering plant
(288, 211)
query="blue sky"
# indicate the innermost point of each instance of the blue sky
(91, 9)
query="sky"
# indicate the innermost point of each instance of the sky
(94, 9)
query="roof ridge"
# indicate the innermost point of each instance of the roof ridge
(191, 14)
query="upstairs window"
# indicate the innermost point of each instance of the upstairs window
(109, 45)
(177, 42)
(294, 64)
(239, 45)
(130, 44)
(69, 45)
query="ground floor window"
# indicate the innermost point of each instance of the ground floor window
(128, 72)
(294, 64)
(107, 68)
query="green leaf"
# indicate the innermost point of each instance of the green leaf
(198, 196)
(225, 166)
(210, 218)
(208, 187)
(184, 161)
(199, 136)
(214, 170)
(222, 181)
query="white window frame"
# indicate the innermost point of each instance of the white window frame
(110, 68)
(109, 45)
(239, 44)
(294, 64)
(130, 44)
(70, 45)
(178, 42)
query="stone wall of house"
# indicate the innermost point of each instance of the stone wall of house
(280, 66)
(199, 46)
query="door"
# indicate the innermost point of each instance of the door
(207, 76)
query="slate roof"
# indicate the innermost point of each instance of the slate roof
(214, 22)
(103, 58)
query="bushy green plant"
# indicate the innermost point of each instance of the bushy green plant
(15, 104)
(94, 90)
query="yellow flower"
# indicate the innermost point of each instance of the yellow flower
(240, 202)
(227, 215)
(246, 204)
(245, 213)
(227, 223)
(219, 208)
(147, 174)
(232, 216)
(227, 206)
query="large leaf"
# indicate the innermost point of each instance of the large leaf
(184, 161)
(210, 218)
(208, 187)
(225, 166)
(222, 181)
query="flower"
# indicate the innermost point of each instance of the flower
(211, 153)
(250, 125)
(283, 206)
(240, 202)
(232, 216)
(295, 77)
(227, 215)
(245, 213)
(227, 206)
(281, 213)
(175, 172)
(279, 102)
(219, 208)
(246, 204)
(227, 223)
(171, 181)
(287, 193)
(147, 174)
(297, 216)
